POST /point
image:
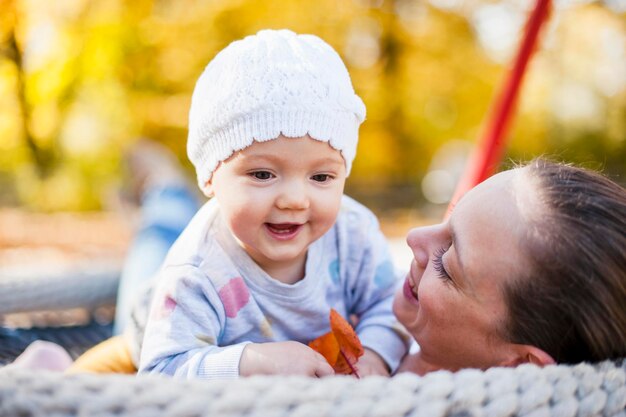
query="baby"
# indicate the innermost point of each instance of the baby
(273, 130)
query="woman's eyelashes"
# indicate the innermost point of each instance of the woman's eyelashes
(438, 264)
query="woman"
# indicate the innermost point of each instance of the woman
(531, 267)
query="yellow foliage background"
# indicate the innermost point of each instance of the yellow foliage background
(81, 80)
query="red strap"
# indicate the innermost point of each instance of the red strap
(486, 157)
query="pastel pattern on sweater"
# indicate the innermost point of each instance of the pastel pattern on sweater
(234, 296)
(385, 275)
(165, 309)
(333, 270)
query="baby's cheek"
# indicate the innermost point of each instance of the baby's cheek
(325, 218)
(240, 215)
(242, 222)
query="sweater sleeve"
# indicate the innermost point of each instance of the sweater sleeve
(373, 280)
(184, 328)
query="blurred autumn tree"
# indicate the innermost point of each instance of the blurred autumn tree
(81, 79)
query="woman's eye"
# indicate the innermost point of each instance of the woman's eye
(262, 175)
(321, 177)
(438, 265)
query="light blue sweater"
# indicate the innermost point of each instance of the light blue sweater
(212, 299)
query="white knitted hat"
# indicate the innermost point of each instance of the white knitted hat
(275, 82)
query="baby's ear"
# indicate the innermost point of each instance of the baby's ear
(529, 354)
(207, 190)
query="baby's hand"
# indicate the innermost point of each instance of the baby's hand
(371, 364)
(282, 358)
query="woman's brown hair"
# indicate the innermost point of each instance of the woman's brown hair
(572, 301)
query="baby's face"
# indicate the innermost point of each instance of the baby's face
(278, 197)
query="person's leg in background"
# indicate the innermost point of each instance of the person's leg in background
(167, 203)
(165, 212)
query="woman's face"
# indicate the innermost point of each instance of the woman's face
(452, 300)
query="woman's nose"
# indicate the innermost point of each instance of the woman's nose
(423, 241)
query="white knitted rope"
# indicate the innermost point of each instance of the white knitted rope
(49, 290)
(566, 391)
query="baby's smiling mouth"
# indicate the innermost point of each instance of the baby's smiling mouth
(282, 227)
(283, 230)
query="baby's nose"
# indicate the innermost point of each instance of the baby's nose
(294, 197)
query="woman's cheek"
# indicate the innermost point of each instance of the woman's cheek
(440, 303)
(430, 295)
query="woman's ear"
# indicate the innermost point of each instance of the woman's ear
(529, 354)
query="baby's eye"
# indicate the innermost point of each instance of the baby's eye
(262, 175)
(321, 177)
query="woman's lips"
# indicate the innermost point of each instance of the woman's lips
(283, 231)
(409, 293)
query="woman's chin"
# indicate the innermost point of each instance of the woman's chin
(399, 305)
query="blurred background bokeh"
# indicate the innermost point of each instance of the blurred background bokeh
(81, 80)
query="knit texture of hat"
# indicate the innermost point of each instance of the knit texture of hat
(272, 83)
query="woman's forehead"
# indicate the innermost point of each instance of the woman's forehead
(488, 226)
(494, 194)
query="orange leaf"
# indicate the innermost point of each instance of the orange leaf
(350, 347)
(341, 346)
(327, 346)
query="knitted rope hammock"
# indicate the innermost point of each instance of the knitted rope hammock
(527, 390)
(562, 391)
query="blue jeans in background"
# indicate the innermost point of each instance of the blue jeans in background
(165, 212)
